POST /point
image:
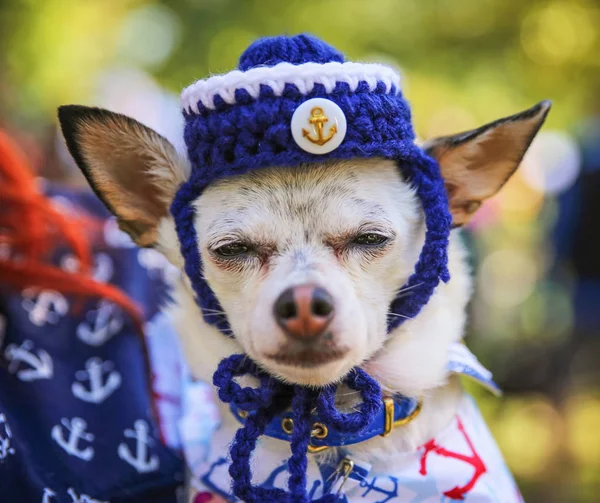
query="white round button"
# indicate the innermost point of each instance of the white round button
(318, 126)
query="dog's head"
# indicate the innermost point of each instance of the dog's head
(305, 260)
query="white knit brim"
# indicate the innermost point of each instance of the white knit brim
(303, 76)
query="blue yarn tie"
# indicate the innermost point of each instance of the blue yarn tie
(264, 402)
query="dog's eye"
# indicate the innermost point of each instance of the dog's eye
(370, 239)
(232, 250)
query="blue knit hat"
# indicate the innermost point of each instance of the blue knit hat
(295, 100)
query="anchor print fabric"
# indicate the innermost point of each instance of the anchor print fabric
(462, 463)
(76, 408)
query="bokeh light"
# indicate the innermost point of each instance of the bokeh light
(559, 31)
(527, 432)
(148, 35)
(507, 277)
(552, 163)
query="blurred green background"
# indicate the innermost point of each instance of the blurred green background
(535, 318)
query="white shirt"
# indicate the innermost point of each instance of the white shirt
(462, 462)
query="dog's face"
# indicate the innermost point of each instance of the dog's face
(306, 260)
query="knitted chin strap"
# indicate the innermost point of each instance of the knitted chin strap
(268, 399)
(243, 121)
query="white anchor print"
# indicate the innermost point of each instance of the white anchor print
(99, 389)
(157, 265)
(41, 366)
(103, 266)
(76, 428)
(5, 448)
(48, 493)
(104, 322)
(151, 260)
(141, 462)
(115, 237)
(84, 498)
(46, 306)
(64, 205)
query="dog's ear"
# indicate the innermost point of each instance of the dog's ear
(132, 169)
(476, 164)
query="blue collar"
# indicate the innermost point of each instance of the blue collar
(396, 411)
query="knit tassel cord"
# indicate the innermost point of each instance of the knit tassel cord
(261, 405)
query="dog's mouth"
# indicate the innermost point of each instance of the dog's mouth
(307, 356)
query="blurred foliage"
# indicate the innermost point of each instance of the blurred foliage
(464, 62)
(487, 57)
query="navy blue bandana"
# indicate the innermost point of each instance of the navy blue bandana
(76, 409)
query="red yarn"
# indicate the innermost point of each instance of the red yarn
(31, 228)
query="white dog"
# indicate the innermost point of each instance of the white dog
(305, 262)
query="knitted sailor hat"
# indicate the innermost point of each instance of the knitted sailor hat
(295, 100)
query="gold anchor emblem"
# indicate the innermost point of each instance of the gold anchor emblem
(318, 118)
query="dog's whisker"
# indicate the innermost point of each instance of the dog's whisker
(349, 393)
(242, 361)
(206, 310)
(406, 289)
(399, 316)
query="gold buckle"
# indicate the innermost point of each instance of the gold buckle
(388, 403)
(314, 449)
(319, 430)
(390, 424)
(287, 425)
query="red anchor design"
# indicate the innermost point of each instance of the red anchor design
(457, 493)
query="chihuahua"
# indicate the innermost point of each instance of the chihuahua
(304, 262)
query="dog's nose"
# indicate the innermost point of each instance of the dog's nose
(304, 311)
